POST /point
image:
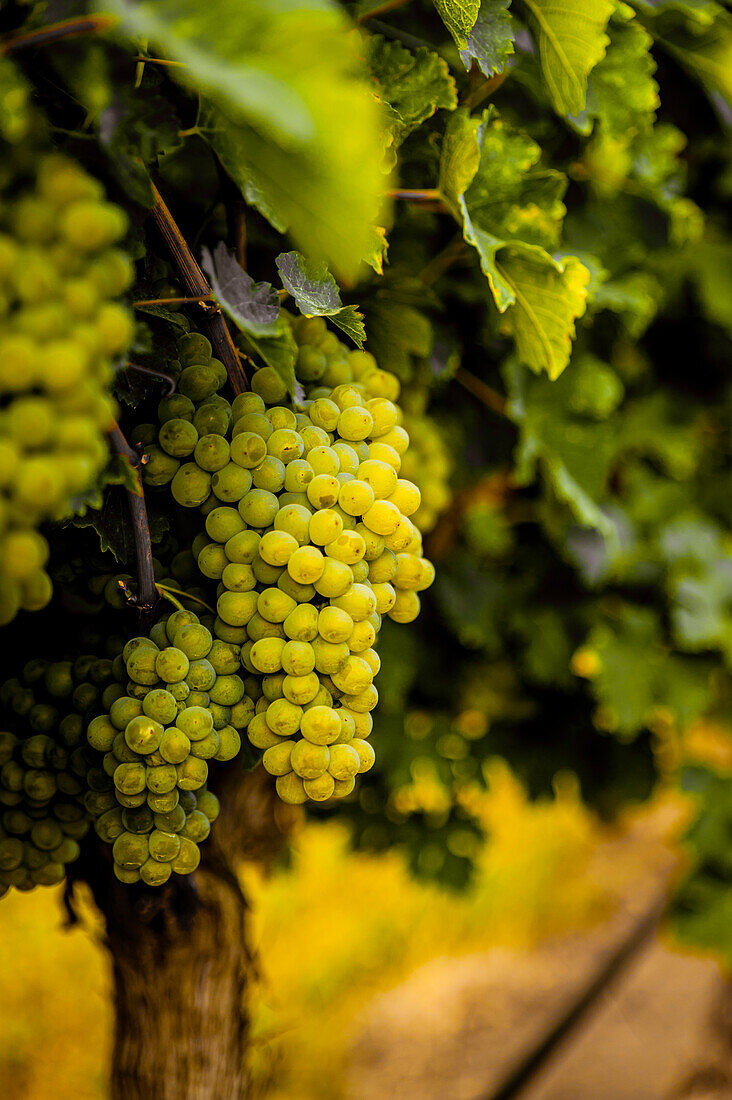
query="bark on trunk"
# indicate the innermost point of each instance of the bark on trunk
(181, 962)
(181, 1019)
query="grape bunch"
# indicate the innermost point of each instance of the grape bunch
(325, 360)
(60, 332)
(308, 536)
(428, 463)
(47, 772)
(183, 705)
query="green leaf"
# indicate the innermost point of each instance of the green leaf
(398, 330)
(571, 39)
(316, 293)
(638, 674)
(411, 85)
(511, 213)
(709, 264)
(512, 197)
(253, 307)
(460, 157)
(572, 452)
(621, 92)
(170, 316)
(491, 40)
(295, 121)
(459, 17)
(548, 297)
(704, 47)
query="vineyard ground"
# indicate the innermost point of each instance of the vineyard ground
(458, 1028)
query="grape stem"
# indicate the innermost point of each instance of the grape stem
(167, 378)
(147, 593)
(184, 595)
(196, 285)
(69, 28)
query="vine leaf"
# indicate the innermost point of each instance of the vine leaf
(410, 85)
(572, 451)
(459, 17)
(316, 293)
(621, 92)
(491, 41)
(571, 39)
(293, 116)
(253, 307)
(460, 157)
(548, 296)
(511, 213)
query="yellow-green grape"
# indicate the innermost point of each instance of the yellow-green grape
(61, 336)
(290, 788)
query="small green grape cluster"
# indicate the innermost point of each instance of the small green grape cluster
(60, 331)
(47, 771)
(308, 535)
(428, 463)
(184, 705)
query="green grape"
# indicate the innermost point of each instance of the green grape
(188, 858)
(258, 508)
(231, 483)
(170, 821)
(152, 871)
(242, 548)
(176, 407)
(178, 438)
(171, 665)
(159, 467)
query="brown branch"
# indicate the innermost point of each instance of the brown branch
(196, 285)
(485, 394)
(69, 28)
(195, 300)
(423, 194)
(440, 263)
(484, 90)
(480, 390)
(382, 9)
(147, 594)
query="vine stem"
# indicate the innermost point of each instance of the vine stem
(188, 301)
(69, 28)
(147, 593)
(485, 89)
(197, 286)
(487, 396)
(382, 9)
(440, 263)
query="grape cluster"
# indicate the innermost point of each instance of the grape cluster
(59, 335)
(308, 535)
(324, 360)
(184, 705)
(47, 772)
